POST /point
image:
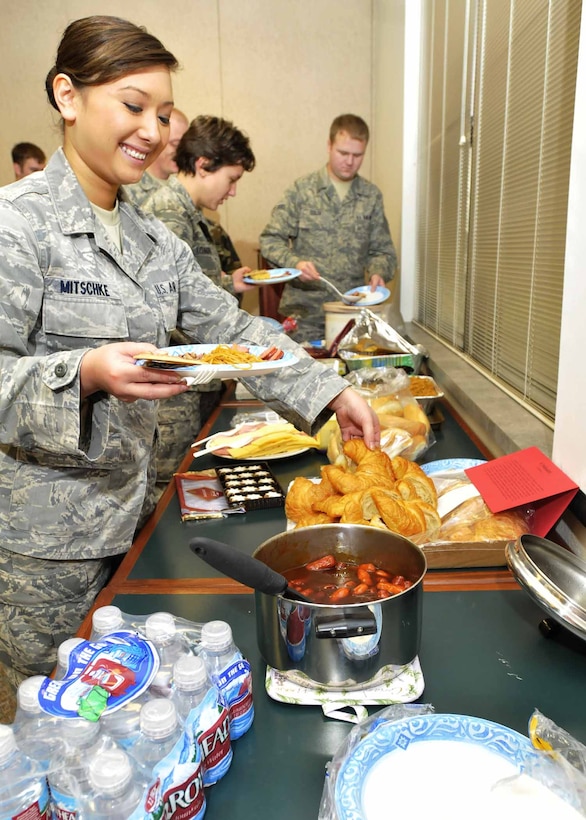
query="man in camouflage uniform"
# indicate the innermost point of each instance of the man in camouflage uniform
(330, 222)
(161, 169)
(74, 469)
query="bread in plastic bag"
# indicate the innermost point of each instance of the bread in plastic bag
(405, 428)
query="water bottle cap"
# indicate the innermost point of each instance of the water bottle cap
(160, 627)
(158, 718)
(189, 673)
(65, 650)
(27, 694)
(7, 742)
(216, 635)
(107, 619)
(110, 772)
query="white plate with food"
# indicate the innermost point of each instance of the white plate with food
(227, 361)
(259, 442)
(438, 765)
(271, 277)
(368, 297)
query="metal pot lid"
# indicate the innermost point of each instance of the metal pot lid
(553, 576)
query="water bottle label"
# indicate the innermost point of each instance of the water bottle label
(176, 789)
(209, 722)
(235, 683)
(65, 806)
(103, 676)
(39, 810)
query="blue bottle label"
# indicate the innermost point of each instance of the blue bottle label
(102, 676)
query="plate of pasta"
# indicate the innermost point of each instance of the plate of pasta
(271, 277)
(227, 361)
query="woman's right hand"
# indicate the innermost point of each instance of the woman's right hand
(112, 368)
(309, 273)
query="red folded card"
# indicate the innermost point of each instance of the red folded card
(527, 478)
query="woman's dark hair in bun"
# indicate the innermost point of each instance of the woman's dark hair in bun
(100, 49)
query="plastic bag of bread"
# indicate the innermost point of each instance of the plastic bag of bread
(405, 428)
(465, 516)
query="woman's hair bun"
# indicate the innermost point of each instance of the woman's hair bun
(49, 86)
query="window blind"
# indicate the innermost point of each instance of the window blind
(494, 150)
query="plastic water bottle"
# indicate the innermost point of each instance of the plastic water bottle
(68, 778)
(114, 790)
(230, 671)
(160, 729)
(63, 652)
(34, 729)
(170, 759)
(204, 713)
(106, 619)
(123, 725)
(23, 790)
(161, 630)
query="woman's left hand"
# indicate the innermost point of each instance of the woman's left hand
(356, 418)
(376, 281)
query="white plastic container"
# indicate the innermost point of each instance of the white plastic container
(63, 652)
(204, 713)
(115, 791)
(68, 778)
(161, 630)
(231, 673)
(171, 762)
(23, 792)
(34, 730)
(106, 619)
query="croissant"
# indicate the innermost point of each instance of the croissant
(408, 518)
(373, 489)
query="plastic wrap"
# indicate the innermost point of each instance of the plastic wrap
(400, 711)
(372, 342)
(405, 428)
(467, 518)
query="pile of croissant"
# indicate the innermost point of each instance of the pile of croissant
(371, 488)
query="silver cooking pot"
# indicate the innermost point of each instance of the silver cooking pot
(336, 644)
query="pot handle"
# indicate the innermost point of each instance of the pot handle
(348, 624)
(239, 566)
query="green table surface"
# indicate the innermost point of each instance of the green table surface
(166, 555)
(481, 654)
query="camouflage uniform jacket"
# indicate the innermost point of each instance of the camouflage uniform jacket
(137, 193)
(73, 472)
(348, 240)
(172, 205)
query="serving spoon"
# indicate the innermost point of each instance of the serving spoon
(348, 300)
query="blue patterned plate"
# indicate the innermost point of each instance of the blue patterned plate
(369, 297)
(456, 464)
(428, 766)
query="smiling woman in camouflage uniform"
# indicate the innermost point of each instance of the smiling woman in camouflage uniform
(87, 282)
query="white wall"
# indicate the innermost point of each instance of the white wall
(569, 443)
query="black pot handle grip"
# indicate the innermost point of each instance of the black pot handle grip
(239, 566)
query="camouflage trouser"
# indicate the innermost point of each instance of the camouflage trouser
(42, 603)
